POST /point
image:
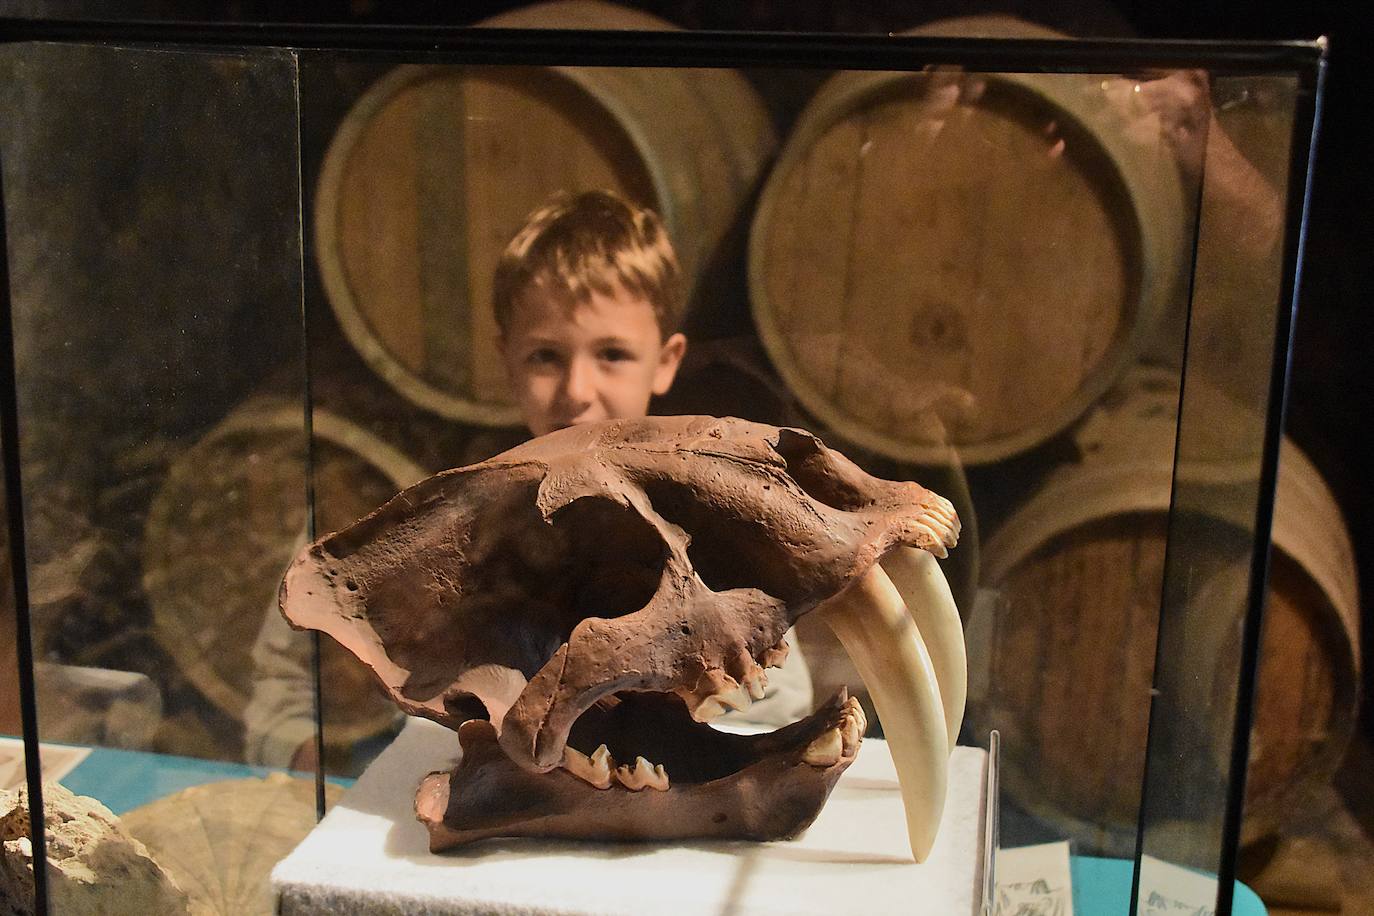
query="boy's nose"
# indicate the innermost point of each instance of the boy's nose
(579, 384)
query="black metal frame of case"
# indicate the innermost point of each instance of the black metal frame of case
(1302, 59)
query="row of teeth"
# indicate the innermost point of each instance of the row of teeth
(841, 741)
(599, 770)
(942, 511)
(743, 695)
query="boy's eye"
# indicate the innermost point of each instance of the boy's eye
(544, 356)
(616, 354)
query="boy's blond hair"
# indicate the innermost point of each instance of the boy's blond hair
(575, 245)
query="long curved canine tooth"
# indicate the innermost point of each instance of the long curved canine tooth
(923, 588)
(872, 624)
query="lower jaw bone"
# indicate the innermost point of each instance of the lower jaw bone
(872, 623)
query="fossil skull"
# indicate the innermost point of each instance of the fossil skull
(580, 607)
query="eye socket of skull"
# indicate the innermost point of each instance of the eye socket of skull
(516, 591)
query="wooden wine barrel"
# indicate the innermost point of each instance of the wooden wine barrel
(1063, 659)
(962, 259)
(435, 168)
(223, 528)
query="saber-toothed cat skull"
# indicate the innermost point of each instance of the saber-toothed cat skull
(578, 608)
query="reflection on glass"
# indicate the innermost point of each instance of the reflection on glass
(152, 210)
(977, 281)
(1224, 411)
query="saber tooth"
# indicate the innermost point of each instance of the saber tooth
(925, 591)
(875, 629)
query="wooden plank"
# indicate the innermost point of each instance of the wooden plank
(378, 231)
(808, 266)
(442, 221)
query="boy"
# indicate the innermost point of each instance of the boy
(586, 297)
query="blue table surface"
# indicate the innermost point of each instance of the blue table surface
(124, 780)
(1102, 887)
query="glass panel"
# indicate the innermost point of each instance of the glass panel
(977, 281)
(1227, 411)
(153, 216)
(14, 807)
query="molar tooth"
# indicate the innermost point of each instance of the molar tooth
(758, 685)
(644, 775)
(594, 770)
(851, 732)
(824, 751)
(707, 710)
(774, 656)
(736, 698)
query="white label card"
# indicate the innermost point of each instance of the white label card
(1171, 890)
(1034, 881)
(58, 761)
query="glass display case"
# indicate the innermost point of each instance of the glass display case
(248, 300)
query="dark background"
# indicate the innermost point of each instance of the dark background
(1332, 382)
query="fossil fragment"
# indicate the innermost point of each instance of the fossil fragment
(580, 607)
(94, 865)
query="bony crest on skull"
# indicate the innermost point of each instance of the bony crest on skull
(580, 608)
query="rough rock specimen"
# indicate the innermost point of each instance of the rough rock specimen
(94, 865)
(578, 608)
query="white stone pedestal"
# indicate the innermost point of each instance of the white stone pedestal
(369, 855)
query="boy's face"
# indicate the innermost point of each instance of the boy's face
(599, 360)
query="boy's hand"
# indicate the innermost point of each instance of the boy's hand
(1174, 106)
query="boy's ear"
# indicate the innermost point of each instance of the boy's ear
(669, 358)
